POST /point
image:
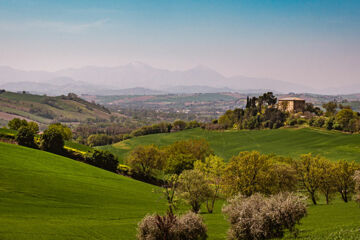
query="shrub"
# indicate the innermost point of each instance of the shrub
(319, 122)
(52, 140)
(190, 226)
(64, 130)
(329, 123)
(179, 125)
(17, 123)
(25, 136)
(292, 122)
(102, 159)
(258, 217)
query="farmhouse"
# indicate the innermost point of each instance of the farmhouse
(291, 104)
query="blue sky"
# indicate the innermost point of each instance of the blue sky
(313, 42)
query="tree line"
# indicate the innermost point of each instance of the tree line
(53, 140)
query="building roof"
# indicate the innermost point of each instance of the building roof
(291, 99)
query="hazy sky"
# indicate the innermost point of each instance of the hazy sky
(312, 42)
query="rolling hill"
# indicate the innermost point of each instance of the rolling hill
(286, 142)
(44, 109)
(45, 196)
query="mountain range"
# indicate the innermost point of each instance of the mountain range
(142, 79)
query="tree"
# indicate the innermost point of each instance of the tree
(330, 108)
(309, 170)
(213, 169)
(344, 118)
(189, 226)
(193, 188)
(169, 189)
(327, 179)
(102, 159)
(25, 137)
(145, 160)
(17, 123)
(179, 125)
(34, 127)
(181, 155)
(257, 217)
(344, 181)
(64, 130)
(52, 140)
(252, 172)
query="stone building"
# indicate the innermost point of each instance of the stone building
(291, 104)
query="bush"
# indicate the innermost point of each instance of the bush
(258, 217)
(17, 123)
(25, 137)
(52, 140)
(64, 130)
(329, 123)
(319, 122)
(190, 226)
(102, 159)
(179, 125)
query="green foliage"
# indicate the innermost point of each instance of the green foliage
(102, 159)
(52, 140)
(25, 136)
(181, 155)
(193, 188)
(17, 123)
(347, 120)
(64, 130)
(179, 125)
(213, 169)
(34, 127)
(146, 160)
(251, 172)
(344, 172)
(330, 108)
(259, 113)
(309, 169)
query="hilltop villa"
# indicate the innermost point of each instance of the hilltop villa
(291, 104)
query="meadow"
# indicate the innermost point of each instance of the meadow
(285, 141)
(46, 196)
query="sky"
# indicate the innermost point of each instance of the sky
(316, 43)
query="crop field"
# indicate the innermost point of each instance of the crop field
(286, 142)
(45, 196)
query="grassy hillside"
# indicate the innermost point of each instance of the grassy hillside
(286, 142)
(45, 196)
(44, 109)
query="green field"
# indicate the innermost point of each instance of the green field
(45, 196)
(286, 142)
